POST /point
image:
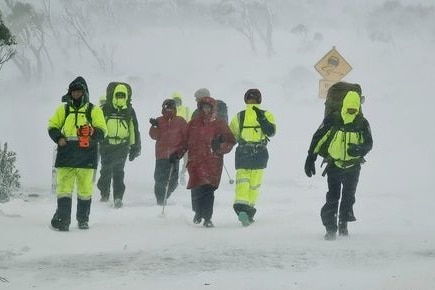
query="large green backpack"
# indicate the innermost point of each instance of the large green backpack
(336, 94)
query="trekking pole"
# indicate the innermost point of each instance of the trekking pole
(167, 189)
(231, 181)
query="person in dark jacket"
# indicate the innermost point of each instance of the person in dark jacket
(76, 127)
(122, 141)
(252, 129)
(343, 139)
(208, 139)
(169, 131)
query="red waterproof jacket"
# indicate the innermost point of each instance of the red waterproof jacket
(204, 165)
(169, 135)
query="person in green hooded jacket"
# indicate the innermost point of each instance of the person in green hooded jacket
(343, 139)
(76, 127)
(122, 141)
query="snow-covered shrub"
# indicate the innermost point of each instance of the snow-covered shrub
(9, 176)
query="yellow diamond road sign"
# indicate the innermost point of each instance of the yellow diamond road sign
(333, 66)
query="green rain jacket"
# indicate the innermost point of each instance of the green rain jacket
(341, 129)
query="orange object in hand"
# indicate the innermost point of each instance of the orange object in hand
(83, 133)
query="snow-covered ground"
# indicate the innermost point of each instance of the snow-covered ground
(391, 246)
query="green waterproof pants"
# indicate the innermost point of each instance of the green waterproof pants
(68, 177)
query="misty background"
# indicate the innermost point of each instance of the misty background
(227, 46)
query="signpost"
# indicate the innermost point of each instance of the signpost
(332, 67)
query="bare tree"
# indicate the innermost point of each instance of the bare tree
(28, 26)
(249, 18)
(7, 43)
(77, 26)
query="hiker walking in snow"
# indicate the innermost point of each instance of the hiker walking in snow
(343, 139)
(123, 139)
(252, 128)
(76, 127)
(169, 131)
(208, 139)
(184, 112)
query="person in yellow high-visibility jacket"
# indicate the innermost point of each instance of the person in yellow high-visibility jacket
(184, 112)
(252, 129)
(76, 127)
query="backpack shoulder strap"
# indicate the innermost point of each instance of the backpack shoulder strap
(241, 121)
(89, 112)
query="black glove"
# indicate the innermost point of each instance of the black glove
(355, 150)
(174, 157)
(310, 166)
(260, 113)
(154, 122)
(134, 152)
(216, 143)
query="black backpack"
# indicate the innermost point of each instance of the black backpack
(222, 110)
(336, 94)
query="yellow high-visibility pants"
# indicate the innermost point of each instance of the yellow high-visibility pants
(67, 177)
(248, 183)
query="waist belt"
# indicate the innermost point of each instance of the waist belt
(116, 140)
(253, 144)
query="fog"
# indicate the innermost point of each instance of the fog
(164, 46)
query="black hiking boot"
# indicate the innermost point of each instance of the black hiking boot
(118, 203)
(208, 224)
(197, 219)
(342, 229)
(104, 198)
(83, 210)
(330, 236)
(83, 225)
(59, 224)
(62, 217)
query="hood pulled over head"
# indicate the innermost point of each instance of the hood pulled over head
(120, 97)
(351, 107)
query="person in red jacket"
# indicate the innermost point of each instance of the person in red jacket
(169, 131)
(208, 139)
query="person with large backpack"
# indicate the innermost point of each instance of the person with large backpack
(221, 109)
(76, 127)
(122, 141)
(252, 129)
(207, 140)
(343, 139)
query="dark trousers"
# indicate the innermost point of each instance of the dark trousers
(113, 159)
(166, 179)
(341, 183)
(203, 201)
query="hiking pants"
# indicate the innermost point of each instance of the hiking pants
(113, 158)
(203, 200)
(248, 183)
(341, 182)
(67, 177)
(166, 179)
